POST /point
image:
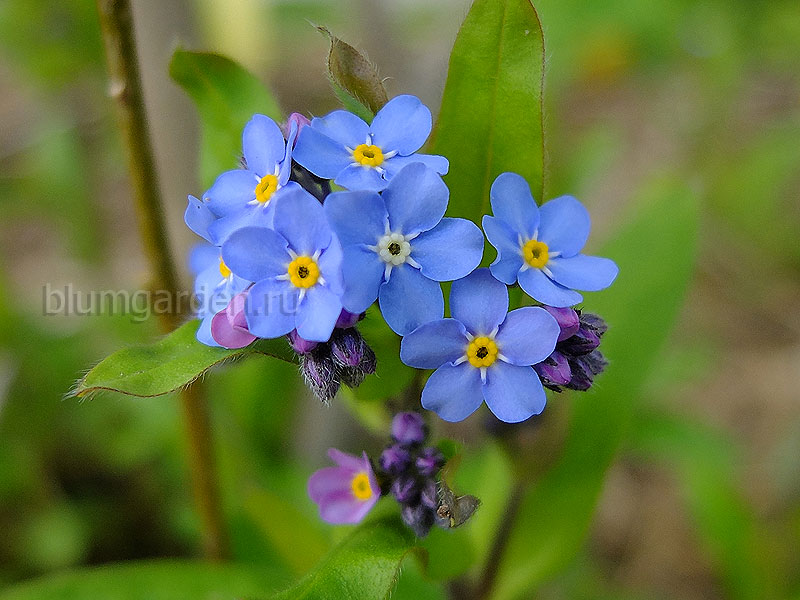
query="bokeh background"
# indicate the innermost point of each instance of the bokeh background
(706, 90)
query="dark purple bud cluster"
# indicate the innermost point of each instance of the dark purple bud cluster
(576, 360)
(408, 471)
(344, 359)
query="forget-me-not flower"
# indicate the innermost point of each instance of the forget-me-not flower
(397, 247)
(483, 353)
(540, 247)
(347, 492)
(357, 156)
(297, 269)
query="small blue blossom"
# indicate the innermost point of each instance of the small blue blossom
(540, 247)
(248, 196)
(296, 267)
(397, 247)
(483, 353)
(357, 156)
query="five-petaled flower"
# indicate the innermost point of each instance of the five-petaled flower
(347, 492)
(397, 247)
(296, 267)
(357, 156)
(483, 353)
(540, 247)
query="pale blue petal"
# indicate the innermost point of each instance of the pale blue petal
(410, 299)
(416, 199)
(513, 393)
(564, 225)
(250, 216)
(453, 393)
(509, 261)
(286, 161)
(202, 256)
(232, 191)
(540, 287)
(320, 154)
(479, 301)
(433, 344)
(402, 125)
(358, 177)
(270, 308)
(256, 253)
(513, 203)
(527, 336)
(207, 287)
(343, 127)
(198, 217)
(582, 272)
(204, 332)
(356, 217)
(317, 314)
(330, 267)
(299, 218)
(263, 145)
(437, 163)
(451, 250)
(363, 273)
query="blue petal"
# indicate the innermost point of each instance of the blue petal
(256, 253)
(453, 393)
(270, 308)
(317, 314)
(202, 256)
(330, 267)
(479, 301)
(250, 216)
(513, 203)
(540, 287)
(433, 344)
(433, 161)
(416, 199)
(343, 127)
(356, 217)
(451, 250)
(286, 161)
(564, 225)
(362, 270)
(528, 336)
(263, 145)
(207, 291)
(320, 154)
(402, 125)
(513, 393)
(358, 177)
(509, 261)
(204, 332)
(232, 191)
(410, 299)
(582, 272)
(299, 218)
(198, 217)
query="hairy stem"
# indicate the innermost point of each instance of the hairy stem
(116, 23)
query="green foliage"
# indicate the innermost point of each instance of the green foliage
(167, 365)
(491, 115)
(655, 253)
(226, 96)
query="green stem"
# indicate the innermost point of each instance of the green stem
(116, 23)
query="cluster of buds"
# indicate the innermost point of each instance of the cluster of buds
(576, 360)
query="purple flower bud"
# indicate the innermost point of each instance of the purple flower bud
(554, 370)
(293, 125)
(428, 496)
(395, 459)
(405, 490)
(300, 345)
(429, 461)
(408, 428)
(567, 319)
(581, 376)
(229, 326)
(319, 373)
(347, 319)
(595, 362)
(419, 518)
(347, 347)
(583, 342)
(354, 376)
(594, 322)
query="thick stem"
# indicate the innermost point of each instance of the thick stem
(116, 23)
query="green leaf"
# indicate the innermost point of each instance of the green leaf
(226, 96)
(491, 116)
(365, 566)
(655, 253)
(152, 580)
(167, 365)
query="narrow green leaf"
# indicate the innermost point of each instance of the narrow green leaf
(226, 96)
(152, 580)
(365, 566)
(491, 116)
(655, 254)
(167, 365)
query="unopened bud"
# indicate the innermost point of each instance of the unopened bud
(395, 459)
(319, 373)
(429, 461)
(408, 428)
(554, 370)
(567, 320)
(419, 518)
(300, 345)
(405, 490)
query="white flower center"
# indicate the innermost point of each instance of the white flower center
(393, 249)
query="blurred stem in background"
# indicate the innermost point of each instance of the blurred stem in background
(116, 25)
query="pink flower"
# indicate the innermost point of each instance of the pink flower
(347, 492)
(229, 326)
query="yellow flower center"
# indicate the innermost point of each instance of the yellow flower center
(223, 269)
(535, 253)
(303, 272)
(369, 156)
(361, 487)
(266, 187)
(482, 352)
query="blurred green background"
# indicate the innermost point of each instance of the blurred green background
(704, 499)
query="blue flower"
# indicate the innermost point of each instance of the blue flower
(483, 353)
(397, 247)
(540, 247)
(247, 197)
(296, 267)
(357, 156)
